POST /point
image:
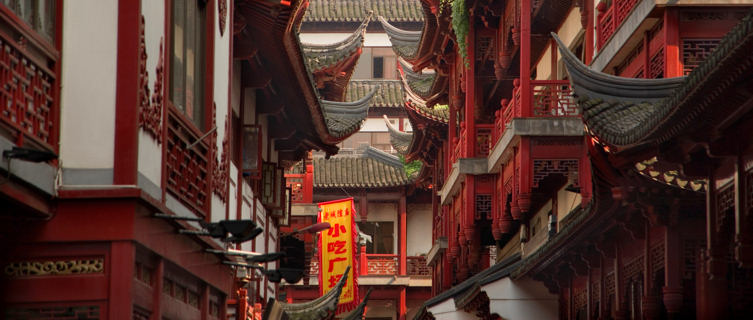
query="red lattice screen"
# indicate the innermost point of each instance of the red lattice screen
(27, 97)
(484, 141)
(695, 51)
(187, 169)
(543, 168)
(483, 207)
(656, 65)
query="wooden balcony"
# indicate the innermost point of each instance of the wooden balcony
(610, 17)
(549, 98)
(384, 265)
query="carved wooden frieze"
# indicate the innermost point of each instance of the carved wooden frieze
(150, 104)
(54, 267)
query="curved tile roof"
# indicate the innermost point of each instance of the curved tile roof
(345, 118)
(404, 43)
(323, 307)
(356, 10)
(389, 93)
(421, 83)
(399, 140)
(374, 169)
(319, 56)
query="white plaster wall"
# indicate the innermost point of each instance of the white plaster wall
(568, 33)
(406, 125)
(89, 54)
(520, 299)
(150, 152)
(446, 310)
(370, 40)
(418, 231)
(374, 125)
(566, 202)
(535, 241)
(246, 208)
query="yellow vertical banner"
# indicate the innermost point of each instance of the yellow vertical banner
(337, 251)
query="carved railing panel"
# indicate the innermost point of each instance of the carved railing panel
(187, 169)
(382, 264)
(610, 18)
(27, 95)
(417, 266)
(553, 98)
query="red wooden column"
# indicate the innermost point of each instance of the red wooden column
(470, 92)
(126, 149)
(672, 290)
(122, 260)
(159, 273)
(403, 267)
(308, 182)
(590, 31)
(524, 196)
(714, 281)
(672, 62)
(525, 58)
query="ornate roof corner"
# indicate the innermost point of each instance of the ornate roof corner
(620, 111)
(383, 157)
(399, 140)
(422, 83)
(358, 313)
(404, 42)
(323, 307)
(345, 118)
(320, 56)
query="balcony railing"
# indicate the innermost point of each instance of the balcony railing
(550, 98)
(382, 264)
(610, 17)
(483, 137)
(553, 98)
(417, 266)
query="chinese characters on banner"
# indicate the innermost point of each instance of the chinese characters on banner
(337, 247)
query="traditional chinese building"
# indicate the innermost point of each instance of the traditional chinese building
(573, 222)
(131, 129)
(393, 218)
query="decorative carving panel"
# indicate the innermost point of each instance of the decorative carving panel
(725, 205)
(220, 174)
(54, 267)
(150, 105)
(695, 51)
(483, 207)
(543, 168)
(27, 95)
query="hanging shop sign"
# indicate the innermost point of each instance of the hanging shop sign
(337, 251)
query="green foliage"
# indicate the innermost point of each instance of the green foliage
(460, 25)
(412, 168)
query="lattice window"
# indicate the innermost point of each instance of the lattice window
(27, 96)
(483, 207)
(609, 288)
(725, 205)
(187, 169)
(690, 251)
(56, 313)
(595, 287)
(656, 65)
(543, 168)
(657, 260)
(695, 51)
(484, 141)
(632, 270)
(382, 264)
(580, 298)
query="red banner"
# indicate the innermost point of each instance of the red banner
(337, 251)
